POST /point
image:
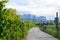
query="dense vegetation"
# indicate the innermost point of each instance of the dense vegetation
(11, 26)
(28, 25)
(9, 23)
(51, 29)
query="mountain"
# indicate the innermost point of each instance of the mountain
(33, 18)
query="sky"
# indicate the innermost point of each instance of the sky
(46, 8)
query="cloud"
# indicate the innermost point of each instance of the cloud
(46, 8)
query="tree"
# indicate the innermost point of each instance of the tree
(2, 4)
(13, 24)
(9, 23)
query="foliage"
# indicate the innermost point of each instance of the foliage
(51, 29)
(10, 28)
(27, 26)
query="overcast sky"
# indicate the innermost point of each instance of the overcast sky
(46, 8)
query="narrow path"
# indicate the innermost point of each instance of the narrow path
(36, 34)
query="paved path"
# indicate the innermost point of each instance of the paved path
(36, 34)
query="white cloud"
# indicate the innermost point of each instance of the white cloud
(37, 7)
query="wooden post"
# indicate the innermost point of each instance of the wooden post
(56, 22)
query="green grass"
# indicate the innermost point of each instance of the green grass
(51, 29)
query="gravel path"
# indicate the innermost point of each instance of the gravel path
(36, 34)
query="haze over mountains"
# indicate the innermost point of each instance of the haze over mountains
(34, 18)
(48, 17)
